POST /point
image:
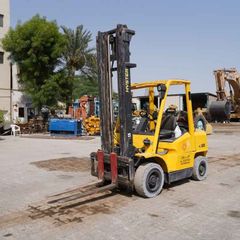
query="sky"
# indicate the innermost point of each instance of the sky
(184, 39)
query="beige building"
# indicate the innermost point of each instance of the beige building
(5, 76)
(16, 106)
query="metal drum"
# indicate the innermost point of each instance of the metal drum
(220, 111)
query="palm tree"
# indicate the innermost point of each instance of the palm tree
(77, 55)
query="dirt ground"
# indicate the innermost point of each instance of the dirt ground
(42, 178)
(69, 164)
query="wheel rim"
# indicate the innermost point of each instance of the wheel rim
(153, 181)
(202, 169)
(200, 125)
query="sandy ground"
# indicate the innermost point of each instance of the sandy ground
(32, 170)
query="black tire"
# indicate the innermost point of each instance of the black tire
(200, 122)
(149, 180)
(200, 169)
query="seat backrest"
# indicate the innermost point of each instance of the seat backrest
(169, 122)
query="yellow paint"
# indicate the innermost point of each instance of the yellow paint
(180, 153)
(127, 79)
(151, 108)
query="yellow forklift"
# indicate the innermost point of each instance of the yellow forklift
(160, 146)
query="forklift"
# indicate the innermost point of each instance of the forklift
(161, 146)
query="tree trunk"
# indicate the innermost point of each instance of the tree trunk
(69, 98)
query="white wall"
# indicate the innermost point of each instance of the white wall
(174, 100)
(10, 101)
(5, 67)
(19, 99)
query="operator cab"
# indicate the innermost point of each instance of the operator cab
(174, 123)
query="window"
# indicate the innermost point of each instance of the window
(1, 20)
(21, 112)
(1, 57)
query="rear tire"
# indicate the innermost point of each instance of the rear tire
(200, 169)
(149, 180)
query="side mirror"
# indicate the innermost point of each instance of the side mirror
(161, 90)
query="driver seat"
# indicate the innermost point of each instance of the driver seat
(167, 127)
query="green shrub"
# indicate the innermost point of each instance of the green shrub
(1, 116)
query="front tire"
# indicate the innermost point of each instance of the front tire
(200, 169)
(149, 180)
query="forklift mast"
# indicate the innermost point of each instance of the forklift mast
(113, 54)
